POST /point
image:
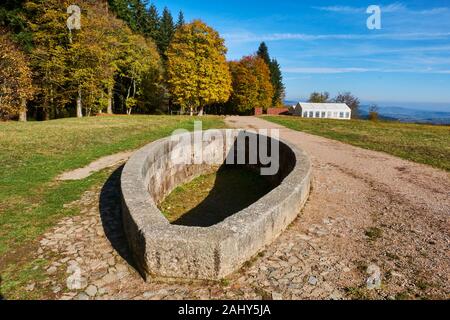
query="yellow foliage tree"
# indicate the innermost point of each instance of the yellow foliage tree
(197, 70)
(15, 80)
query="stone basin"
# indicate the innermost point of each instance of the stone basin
(161, 249)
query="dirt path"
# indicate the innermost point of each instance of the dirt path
(367, 211)
(95, 166)
(398, 212)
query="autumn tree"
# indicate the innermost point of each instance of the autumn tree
(198, 74)
(47, 21)
(140, 61)
(319, 97)
(350, 100)
(94, 57)
(15, 79)
(251, 85)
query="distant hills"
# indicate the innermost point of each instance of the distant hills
(404, 114)
(409, 115)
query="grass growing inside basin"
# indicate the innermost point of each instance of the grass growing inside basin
(425, 144)
(211, 198)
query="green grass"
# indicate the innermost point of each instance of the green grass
(419, 143)
(33, 154)
(14, 278)
(213, 197)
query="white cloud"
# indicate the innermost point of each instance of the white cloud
(250, 37)
(331, 70)
(394, 7)
(435, 11)
(325, 70)
(390, 8)
(343, 9)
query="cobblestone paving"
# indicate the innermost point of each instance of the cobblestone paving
(93, 254)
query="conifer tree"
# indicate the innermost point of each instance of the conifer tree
(275, 74)
(263, 52)
(153, 23)
(166, 32)
(181, 22)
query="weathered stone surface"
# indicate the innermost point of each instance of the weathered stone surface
(165, 250)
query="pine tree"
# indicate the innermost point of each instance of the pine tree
(141, 16)
(123, 10)
(277, 83)
(263, 52)
(153, 23)
(180, 21)
(275, 74)
(166, 32)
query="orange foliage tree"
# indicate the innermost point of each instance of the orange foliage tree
(252, 87)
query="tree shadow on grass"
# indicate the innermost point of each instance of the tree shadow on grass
(235, 188)
(111, 216)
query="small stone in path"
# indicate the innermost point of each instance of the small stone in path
(374, 281)
(82, 296)
(312, 280)
(52, 270)
(30, 287)
(91, 291)
(277, 296)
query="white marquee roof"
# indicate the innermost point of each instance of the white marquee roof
(324, 106)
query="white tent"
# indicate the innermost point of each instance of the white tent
(323, 110)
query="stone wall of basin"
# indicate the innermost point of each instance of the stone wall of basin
(161, 249)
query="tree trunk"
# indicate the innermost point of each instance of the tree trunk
(46, 114)
(110, 101)
(45, 110)
(200, 114)
(191, 112)
(79, 105)
(23, 111)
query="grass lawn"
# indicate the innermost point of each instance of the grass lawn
(33, 154)
(420, 143)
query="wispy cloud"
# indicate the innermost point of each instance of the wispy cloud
(331, 70)
(324, 70)
(394, 7)
(343, 9)
(390, 8)
(251, 37)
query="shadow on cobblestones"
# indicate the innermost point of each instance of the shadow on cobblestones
(111, 216)
(1, 296)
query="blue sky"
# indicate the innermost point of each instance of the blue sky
(326, 45)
